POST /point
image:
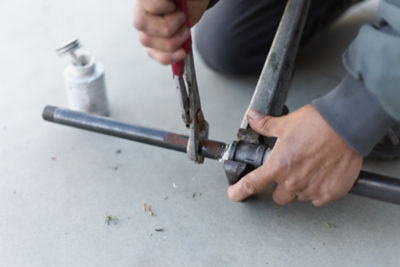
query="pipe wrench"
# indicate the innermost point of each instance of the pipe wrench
(184, 75)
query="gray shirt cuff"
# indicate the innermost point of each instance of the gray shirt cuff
(355, 114)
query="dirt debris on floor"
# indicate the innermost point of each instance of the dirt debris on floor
(110, 219)
(330, 225)
(196, 194)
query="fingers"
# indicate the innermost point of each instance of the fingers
(320, 191)
(158, 6)
(166, 58)
(303, 198)
(161, 29)
(282, 196)
(331, 191)
(165, 44)
(289, 189)
(159, 26)
(311, 192)
(265, 125)
(251, 184)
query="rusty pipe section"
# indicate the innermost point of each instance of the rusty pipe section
(208, 148)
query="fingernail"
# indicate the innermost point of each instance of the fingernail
(254, 114)
(178, 56)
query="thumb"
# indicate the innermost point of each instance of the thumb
(265, 125)
(252, 183)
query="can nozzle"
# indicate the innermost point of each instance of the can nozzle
(69, 49)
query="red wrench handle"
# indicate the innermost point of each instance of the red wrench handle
(179, 68)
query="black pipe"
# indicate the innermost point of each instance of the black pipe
(368, 184)
(377, 186)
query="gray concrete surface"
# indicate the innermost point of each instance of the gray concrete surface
(56, 183)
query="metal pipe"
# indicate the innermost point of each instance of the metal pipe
(208, 148)
(368, 184)
(377, 186)
(273, 85)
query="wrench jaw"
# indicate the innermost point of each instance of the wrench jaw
(184, 99)
(198, 132)
(199, 126)
(192, 114)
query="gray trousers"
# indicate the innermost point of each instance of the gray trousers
(234, 36)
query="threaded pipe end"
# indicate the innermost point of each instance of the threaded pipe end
(48, 113)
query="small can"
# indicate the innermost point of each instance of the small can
(84, 82)
(85, 86)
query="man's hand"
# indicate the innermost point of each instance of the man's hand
(161, 27)
(309, 161)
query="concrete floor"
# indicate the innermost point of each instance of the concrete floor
(57, 182)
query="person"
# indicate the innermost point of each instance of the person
(320, 146)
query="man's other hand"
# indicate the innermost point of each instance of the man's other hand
(161, 27)
(309, 161)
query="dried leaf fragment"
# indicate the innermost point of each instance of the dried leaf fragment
(147, 208)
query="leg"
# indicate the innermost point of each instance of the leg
(234, 36)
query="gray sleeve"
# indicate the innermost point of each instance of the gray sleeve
(355, 114)
(367, 102)
(374, 57)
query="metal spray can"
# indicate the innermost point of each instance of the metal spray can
(84, 82)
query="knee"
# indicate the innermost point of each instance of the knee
(231, 37)
(221, 53)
